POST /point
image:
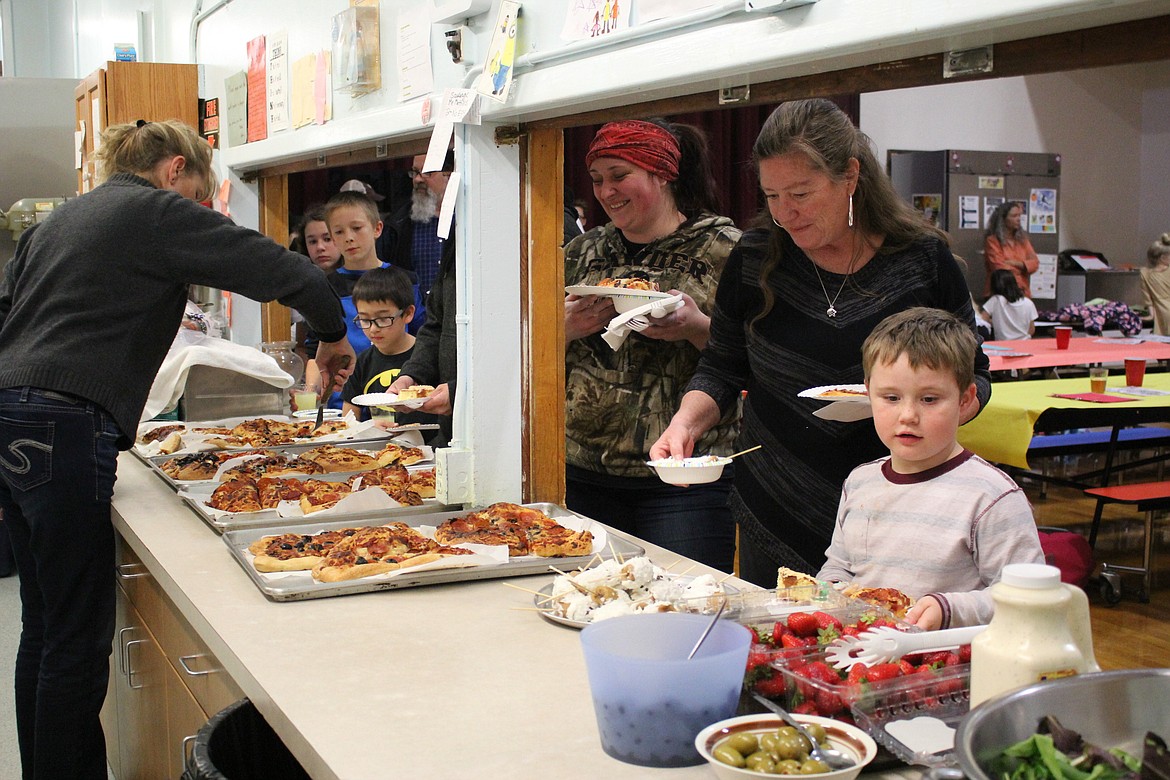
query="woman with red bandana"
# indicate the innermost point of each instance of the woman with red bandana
(654, 181)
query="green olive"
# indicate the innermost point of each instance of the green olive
(813, 767)
(744, 742)
(726, 754)
(817, 732)
(788, 767)
(760, 762)
(791, 747)
(786, 731)
(770, 743)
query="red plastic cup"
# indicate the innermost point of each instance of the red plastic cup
(1063, 334)
(1135, 371)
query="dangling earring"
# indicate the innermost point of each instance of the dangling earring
(850, 210)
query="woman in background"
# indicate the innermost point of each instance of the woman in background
(1006, 246)
(1012, 314)
(1156, 284)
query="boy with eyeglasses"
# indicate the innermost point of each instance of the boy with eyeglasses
(384, 300)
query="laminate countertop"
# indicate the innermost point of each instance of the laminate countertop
(453, 681)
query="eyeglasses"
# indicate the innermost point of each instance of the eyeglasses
(377, 322)
(414, 172)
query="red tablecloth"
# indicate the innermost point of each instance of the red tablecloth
(1081, 351)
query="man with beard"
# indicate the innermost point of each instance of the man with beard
(414, 229)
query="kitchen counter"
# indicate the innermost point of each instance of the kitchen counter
(459, 680)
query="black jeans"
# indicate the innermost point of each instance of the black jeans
(58, 462)
(693, 521)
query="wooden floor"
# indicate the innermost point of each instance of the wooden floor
(1131, 634)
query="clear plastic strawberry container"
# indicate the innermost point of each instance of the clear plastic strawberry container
(887, 700)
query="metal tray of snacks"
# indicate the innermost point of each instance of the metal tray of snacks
(195, 470)
(366, 504)
(201, 436)
(490, 563)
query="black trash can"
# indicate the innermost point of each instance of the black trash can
(238, 744)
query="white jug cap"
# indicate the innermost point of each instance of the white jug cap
(1032, 576)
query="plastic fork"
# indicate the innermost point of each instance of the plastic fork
(878, 645)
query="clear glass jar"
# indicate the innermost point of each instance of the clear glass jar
(290, 362)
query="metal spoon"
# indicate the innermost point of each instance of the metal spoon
(707, 630)
(834, 758)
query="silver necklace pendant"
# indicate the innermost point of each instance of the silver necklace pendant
(831, 311)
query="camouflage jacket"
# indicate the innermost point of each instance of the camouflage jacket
(617, 403)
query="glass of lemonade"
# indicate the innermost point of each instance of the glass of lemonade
(305, 395)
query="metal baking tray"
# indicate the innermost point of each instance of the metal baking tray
(195, 496)
(366, 433)
(154, 462)
(297, 586)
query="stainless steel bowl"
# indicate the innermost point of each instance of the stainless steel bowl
(1109, 709)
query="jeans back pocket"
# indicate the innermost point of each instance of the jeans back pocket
(26, 452)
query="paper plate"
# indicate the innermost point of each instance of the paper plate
(387, 399)
(848, 393)
(311, 414)
(623, 299)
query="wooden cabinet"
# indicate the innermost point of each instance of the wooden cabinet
(164, 682)
(126, 92)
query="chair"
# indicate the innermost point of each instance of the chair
(1148, 497)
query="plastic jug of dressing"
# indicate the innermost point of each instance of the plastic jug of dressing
(1040, 631)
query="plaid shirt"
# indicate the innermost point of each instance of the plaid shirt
(426, 249)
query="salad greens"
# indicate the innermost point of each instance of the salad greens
(1059, 753)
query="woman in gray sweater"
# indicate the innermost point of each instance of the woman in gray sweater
(88, 307)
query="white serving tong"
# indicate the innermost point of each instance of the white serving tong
(878, 645)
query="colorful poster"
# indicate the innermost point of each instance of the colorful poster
(257, 99)
(930, 204)
(496, 80)
(968, 212)
(277, 85)
(594, 18)
(1043, 282)
(1042, 211)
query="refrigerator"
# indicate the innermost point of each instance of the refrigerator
(959, 190)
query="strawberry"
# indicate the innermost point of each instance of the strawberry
(907, 667)
(828, 703)
(853, 630)
(806, 708)
(803, 624)
(942, 658)
(757, 658)
(792, 640)
(965, 654)
(879, 672)
(755, 636)
(772, 687)
(856, 674)
(826, 621)
(819, 670)
(778, 632)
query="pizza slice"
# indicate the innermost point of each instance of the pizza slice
(319, 494)
(378, 550)
(423, 483)
(787, 579)
(196, 466)
(273, 490)
(383, 475)
(332, 458)
(236, 495)
(524, 530)
(160, 432)
(294, 552)
(326, 428)
(892, 599)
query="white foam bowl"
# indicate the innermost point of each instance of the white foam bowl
(850, 740)
(689, 471)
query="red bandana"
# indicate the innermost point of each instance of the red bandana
(644, 144)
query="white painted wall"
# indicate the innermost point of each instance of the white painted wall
(1111, 126)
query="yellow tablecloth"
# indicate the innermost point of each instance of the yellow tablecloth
(1003, 430)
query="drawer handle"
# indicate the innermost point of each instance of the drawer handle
(122, 648)
(130, 666)
(126, 571)
(185, 758)
(183, 659)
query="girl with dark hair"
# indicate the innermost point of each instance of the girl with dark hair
(654, 181)
(1012, 314)
(838, 253)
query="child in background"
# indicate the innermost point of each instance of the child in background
(933, 519)
(314, 241)
(1012, 314)
(384, 299)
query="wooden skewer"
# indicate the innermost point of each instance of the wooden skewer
(526, 590)
(726, 578)
(616, 555)
(684, 571)
(745, 452)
